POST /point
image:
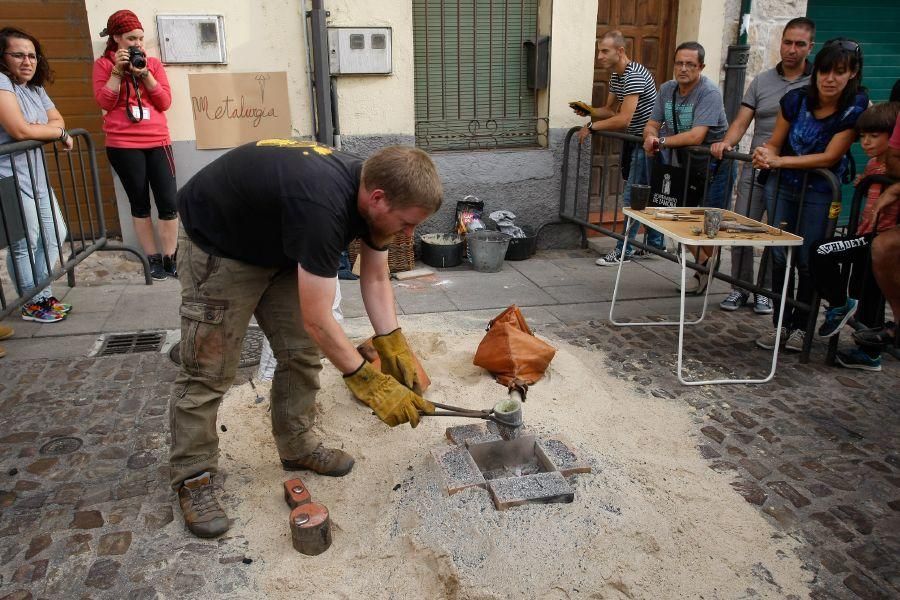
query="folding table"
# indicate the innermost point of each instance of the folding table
(685, 233)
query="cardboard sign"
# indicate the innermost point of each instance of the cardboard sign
(231, 109)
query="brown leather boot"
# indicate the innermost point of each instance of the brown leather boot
(202, 513)
(322, 460)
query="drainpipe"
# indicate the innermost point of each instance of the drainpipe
(334, 112)
(736, 67)
(310, 79)
(325, 127)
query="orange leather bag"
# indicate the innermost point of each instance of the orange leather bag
(511, 352)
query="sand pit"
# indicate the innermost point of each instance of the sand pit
(651, 521)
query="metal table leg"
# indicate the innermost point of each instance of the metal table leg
(774, 351)
(612, 304)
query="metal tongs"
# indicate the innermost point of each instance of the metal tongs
(455, 411)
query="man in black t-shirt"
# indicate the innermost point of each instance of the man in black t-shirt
(263, 227)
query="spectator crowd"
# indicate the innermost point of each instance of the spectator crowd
(806, 116)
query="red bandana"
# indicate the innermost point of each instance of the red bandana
(121, 21)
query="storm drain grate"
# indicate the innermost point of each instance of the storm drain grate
(132, 343)
(60, 446)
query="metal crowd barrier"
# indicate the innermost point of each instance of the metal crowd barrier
(575, 207)
(78, 197)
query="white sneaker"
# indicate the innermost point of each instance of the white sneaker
(794, 342)
(611, 259)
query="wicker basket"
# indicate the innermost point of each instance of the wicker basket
(401, 253)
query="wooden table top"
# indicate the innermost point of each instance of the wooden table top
(689, 231)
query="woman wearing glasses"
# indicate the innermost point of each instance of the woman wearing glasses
(27, 113)
(134, 91)
(815, 129)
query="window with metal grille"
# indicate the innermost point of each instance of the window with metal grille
(471, 85)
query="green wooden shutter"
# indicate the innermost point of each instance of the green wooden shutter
(875, 24)
(470, 74)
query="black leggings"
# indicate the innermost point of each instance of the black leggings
(830, 258)
(140, 169)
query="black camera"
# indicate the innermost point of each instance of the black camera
(136, 57)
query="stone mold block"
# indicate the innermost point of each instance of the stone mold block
(539, 488)
(508, 458)
(458, 468)
(560, 453)
(460, 434)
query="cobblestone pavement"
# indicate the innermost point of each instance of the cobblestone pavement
(816, 451)
(99, 521)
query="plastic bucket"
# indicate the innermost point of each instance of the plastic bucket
(488, 248)
(442, 250)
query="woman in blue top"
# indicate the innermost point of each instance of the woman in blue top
(815, 129)
(27, 113)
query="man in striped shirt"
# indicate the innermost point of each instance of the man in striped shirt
(632, 94)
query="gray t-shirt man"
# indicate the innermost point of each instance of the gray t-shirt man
(763, 96)
(34, 103)
(703, 105)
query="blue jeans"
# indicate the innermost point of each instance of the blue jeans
(39, 231)
(812, 228)
(638, 175)
(753, 199)
(718, 191)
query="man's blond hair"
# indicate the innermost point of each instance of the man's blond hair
(407, 175)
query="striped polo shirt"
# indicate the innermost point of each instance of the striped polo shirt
(635, 80)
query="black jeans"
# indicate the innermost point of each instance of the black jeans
(141, 169)
(834, 255)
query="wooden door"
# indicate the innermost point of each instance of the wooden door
(61, 27)
(649, 29)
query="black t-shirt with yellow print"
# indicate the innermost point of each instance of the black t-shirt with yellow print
(275, 202)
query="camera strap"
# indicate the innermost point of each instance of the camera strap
(137, 97)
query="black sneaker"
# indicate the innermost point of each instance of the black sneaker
(734, 301)
(157, 271)
(169, 266)
(877, 338)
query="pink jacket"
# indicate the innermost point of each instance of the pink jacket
(120, 131)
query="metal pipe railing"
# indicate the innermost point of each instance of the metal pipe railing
(578, 217)
(78, 224)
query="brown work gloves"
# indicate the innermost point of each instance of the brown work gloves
(392, 402)
(397, 360)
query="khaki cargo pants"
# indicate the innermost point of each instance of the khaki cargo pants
(218, 298)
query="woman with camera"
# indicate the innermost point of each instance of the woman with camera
(27, 113)
(134, 91)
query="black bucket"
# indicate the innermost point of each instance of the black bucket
(442, 250)
(524, 247)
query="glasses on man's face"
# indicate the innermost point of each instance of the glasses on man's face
(686, 65)
(21, 56)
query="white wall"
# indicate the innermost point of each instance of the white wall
(572, 59)
(703, 21)
(263, 35)
(378, 104)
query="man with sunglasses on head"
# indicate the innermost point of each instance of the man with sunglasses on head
(689, 111)
(632, 94)
(760, 105)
